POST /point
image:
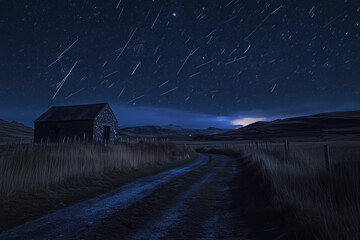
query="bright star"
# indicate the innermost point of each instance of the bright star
(174, 14)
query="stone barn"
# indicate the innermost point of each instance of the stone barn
(93, 122)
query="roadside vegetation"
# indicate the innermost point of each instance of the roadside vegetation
(30, 168)
(35, 179)
(294, 195)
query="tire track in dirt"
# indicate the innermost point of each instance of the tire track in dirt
(127, 222)
(173, 215)
(211, 214)
(196, 206)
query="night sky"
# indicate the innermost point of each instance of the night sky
(193, 63)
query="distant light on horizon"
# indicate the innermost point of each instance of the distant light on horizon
(246, 121)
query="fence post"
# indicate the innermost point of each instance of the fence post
(327, 157)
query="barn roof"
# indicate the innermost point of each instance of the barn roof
(71, 113)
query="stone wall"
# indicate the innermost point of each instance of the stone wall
(107, 118)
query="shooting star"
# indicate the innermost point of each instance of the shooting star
(233, 52)
(135, 99)
(60, 84)
(201, 65)
(273, 88)
(312, 9)
(209, 40)
(171, 90)
(156, 19)
(111, 85)
(157, 60)
(247, 49)
(213, 31)
(118, 4)
(72, 94)
(110, 74)
(127, 43)
(121, 92)
(161, 85)
(258, 26)
(235, 60)
(62, 54)
(276, 9)
(332, 20)
(136, 68)
(190, 54)
(193, 75)
(121, 12)
(59, 57)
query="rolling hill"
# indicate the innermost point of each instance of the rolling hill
(14, 132)
(333, 125)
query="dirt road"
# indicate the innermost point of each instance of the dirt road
(189, 202)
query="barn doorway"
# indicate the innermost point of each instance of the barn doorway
(106, 134)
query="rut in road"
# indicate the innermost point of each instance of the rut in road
(196, 206)
(173, 215)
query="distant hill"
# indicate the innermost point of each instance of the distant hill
(334, 125)
(167, 131)
(12, 132)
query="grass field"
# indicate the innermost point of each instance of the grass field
(29, 168)
(291, 195)
(313, 201)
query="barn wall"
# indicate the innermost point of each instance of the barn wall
(105, 117)
(57, 131)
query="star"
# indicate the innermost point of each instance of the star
(174, 14)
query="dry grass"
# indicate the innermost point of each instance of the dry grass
(324, 203)
(327, 202)
(29, 168)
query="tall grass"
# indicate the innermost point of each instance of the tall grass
(28, 168)
(312, 202)
(327, 202)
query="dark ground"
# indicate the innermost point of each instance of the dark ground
(195, 204)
